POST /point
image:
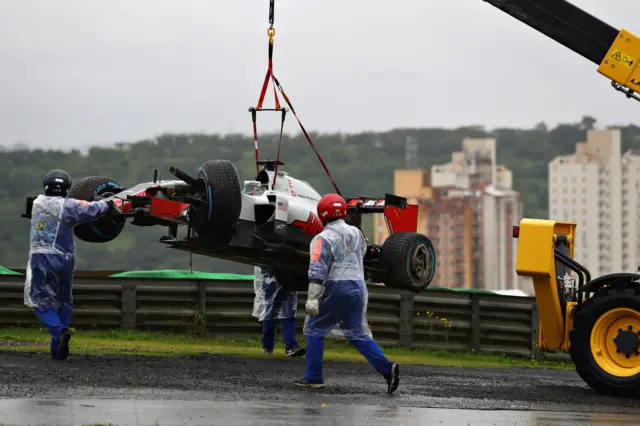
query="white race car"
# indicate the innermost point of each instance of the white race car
(268, 221)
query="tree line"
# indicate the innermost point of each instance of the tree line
(361, 164)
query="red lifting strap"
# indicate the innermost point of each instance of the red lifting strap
(264, 87)
(271, 32)
(263, 93)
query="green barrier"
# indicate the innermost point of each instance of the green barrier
(177, 274)
(5, 271)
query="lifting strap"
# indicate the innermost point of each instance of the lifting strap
(271, 32)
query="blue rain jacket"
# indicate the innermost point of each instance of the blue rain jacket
(337, 260)
(51, 264)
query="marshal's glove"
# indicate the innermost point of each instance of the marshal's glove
(114, 209)
(316, 289)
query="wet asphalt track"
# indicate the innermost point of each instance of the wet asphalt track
(212, 389)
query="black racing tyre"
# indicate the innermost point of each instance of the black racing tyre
(224, 200)
(292, 281)
(105, 228)
(605, 340)
(408, 260)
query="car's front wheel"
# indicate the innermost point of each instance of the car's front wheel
(223, 195)
(105, 228)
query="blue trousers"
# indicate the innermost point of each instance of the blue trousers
(55, 322)
(51, 282)
(344, 307)
(288, 333)
(367, 347)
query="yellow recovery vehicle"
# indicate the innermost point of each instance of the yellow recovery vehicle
(596, 321)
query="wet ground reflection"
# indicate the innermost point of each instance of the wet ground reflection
(167, 412)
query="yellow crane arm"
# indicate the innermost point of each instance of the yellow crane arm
(616, 52)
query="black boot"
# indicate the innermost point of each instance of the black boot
(393, 378)
(63, 344)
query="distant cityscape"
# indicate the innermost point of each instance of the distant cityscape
(468, 209)
(597, 188)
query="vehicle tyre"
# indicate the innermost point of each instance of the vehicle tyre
(224, 200)
(292, 281)
(105, 228)
(606, 329)
(408, 260)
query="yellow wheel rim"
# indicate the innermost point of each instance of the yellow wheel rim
(612, 342)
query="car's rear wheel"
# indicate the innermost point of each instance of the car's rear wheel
(105, 228)
(408, 260)
(223, 200)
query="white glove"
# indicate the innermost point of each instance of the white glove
(313, 299)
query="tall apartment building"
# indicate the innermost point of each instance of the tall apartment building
(467, 209)
(597, 188)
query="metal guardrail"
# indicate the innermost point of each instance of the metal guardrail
(436, 319)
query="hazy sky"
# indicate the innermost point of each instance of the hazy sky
(79, 72)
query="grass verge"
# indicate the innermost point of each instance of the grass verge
(144, 343)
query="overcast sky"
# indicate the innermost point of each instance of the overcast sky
(80, 72)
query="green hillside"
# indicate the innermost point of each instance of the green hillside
(362, 164)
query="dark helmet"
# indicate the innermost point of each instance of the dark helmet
(57, 182)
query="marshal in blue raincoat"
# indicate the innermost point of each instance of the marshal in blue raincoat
(51, 265)
(337, 297)
(272, 303)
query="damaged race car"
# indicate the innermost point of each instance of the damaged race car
(267, 221)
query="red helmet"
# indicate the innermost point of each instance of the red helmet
(331, 206)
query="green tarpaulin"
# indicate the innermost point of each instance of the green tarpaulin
(5, 271)
(461, 290)
(178, 274)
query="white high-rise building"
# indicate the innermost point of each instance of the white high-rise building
(597, 188)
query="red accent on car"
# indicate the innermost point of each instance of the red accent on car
(312, 226)
(375, 202)
(125, 206)
(167, 209)
(401, 220)
(159, 207)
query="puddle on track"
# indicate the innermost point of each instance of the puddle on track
(168, 412)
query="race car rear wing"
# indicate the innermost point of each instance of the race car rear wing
(399, 215)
